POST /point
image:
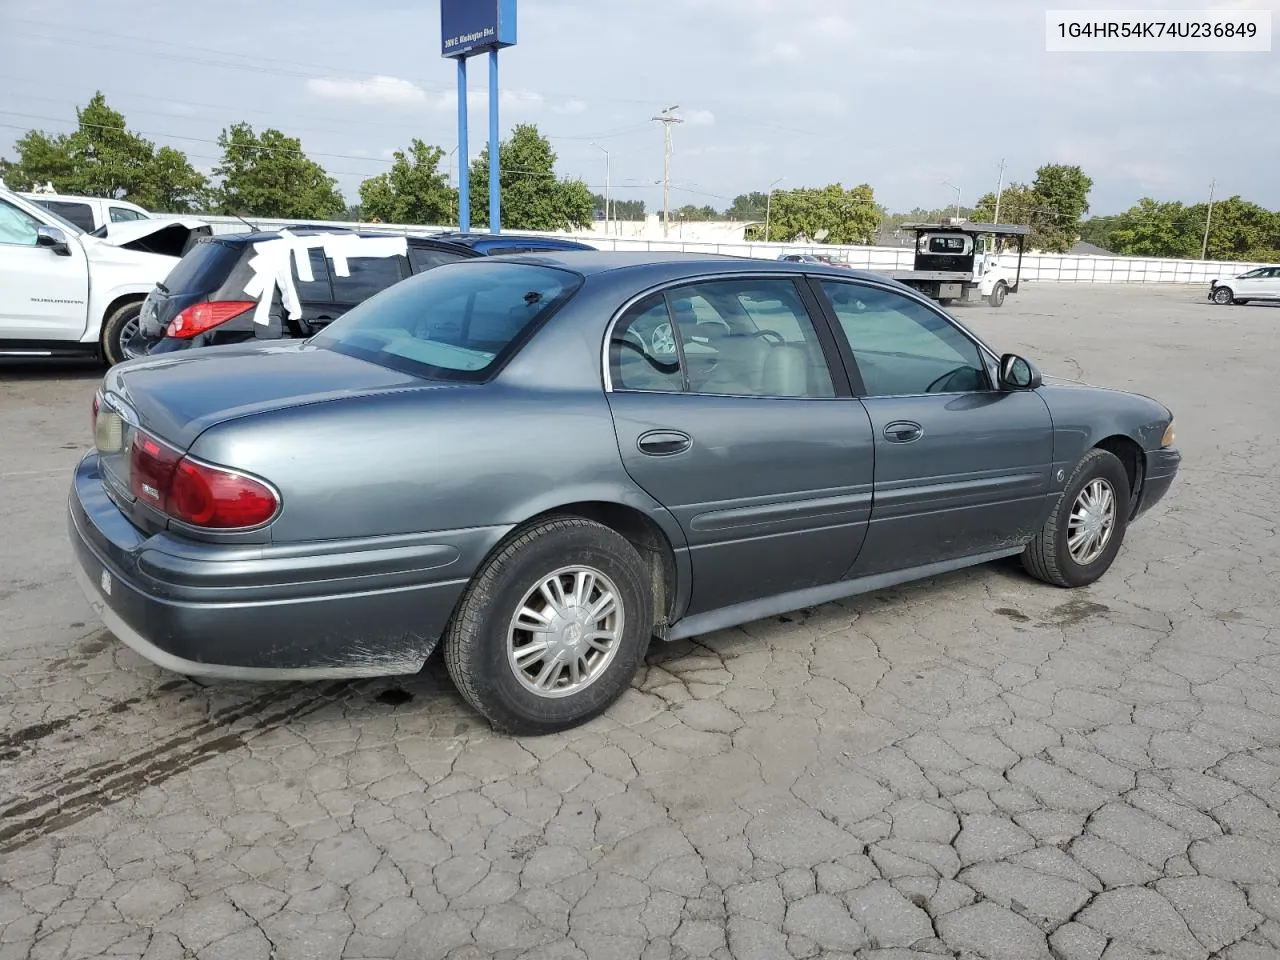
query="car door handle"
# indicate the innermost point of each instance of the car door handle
(903, 431)
(664, 443)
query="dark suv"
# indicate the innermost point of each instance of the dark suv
(211, 297)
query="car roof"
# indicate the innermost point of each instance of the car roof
(264, 235)
(475, 239)
(591, 262)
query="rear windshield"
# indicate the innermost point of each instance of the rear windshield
(203, 268)
(456, 322)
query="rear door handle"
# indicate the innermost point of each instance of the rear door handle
(903, 431)
(664, 443)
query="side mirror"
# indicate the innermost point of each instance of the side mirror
(1017, 373)
(54, 239)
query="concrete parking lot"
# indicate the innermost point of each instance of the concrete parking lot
(974, 766)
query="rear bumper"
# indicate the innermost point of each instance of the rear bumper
(266, 612)
(1162, 468)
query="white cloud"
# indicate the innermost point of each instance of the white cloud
(389, 91)
(699, 118)
(571, 107)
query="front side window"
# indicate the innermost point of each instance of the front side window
(750, 338)
(17, 226)
(902, 348)
(456, 322)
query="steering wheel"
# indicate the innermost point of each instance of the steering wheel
(770, 335)
(658, 365)
(944, 385)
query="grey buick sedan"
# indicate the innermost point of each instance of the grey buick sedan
(544, 461)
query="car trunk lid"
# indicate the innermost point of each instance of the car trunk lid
(176, 397)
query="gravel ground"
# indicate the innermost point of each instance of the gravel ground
(973, 766)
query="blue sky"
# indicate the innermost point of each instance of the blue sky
(901, 96)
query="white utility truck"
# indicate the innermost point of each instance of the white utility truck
(959, 260)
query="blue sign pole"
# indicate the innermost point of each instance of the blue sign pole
(495, 165)
(464, 168)
(469, 28)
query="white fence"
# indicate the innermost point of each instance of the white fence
(1057, 268)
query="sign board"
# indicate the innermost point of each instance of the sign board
(468, 27)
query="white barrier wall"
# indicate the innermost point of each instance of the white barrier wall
(1057, 268)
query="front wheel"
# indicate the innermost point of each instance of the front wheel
(117, 330)
(552, 628)
(996, 297)
(1223, 295)
(1080, 540)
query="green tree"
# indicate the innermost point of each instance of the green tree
(533, 198)
(1238, 230)
(270, 176)
(1019, 204)
(747, 206)
(1154, 229)
(1064, 198)
(619, 209)
(848, 216)
(103, 158)
(414, 190)
(692, 212)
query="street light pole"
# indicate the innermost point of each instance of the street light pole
(607, 177)
(957, 190)
(999, 189)
(666, 119)
(768, 207)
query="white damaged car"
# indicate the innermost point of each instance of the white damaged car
(67, 293)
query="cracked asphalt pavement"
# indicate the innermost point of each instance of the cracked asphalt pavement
(973, 766)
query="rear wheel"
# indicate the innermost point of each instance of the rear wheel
(118, 329)
(996, 297)
(1223, 295)
(552, 628)
(1082, 536)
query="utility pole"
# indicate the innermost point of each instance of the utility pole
(667, 119)
(607, 177)
(999, 189)
(1204, 248)
(768, 207)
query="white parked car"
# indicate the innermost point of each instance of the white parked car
(66, 293)
(88, 213)
(1262, 283)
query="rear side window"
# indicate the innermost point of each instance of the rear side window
(317, 289)
(457, 322)
(204, 268)
(369, 275)
(425, 258)
(125, 215)
(81, 214)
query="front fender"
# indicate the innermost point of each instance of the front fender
(1083, 416)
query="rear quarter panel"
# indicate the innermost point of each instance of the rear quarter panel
(429, 460)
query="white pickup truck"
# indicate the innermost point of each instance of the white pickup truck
(67, 293)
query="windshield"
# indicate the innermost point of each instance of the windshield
(456, 322)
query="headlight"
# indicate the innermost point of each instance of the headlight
(1169, 436)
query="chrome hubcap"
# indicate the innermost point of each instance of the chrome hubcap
(566, 632)
(663, 340)
(1093, 519)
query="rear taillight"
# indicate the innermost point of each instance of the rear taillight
(202, 317)
(196, 493)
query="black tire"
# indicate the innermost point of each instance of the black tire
(475, 644)
(1048, 557)
(1223, 296)
(946, 301)
(996, 298)
(113, 328)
